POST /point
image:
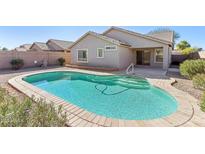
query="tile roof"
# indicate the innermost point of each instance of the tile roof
(139, 34)
(103, 37)
(26, 46)
(42, 45)
(167, 36)
(20, 49)
(23, 47)
(115, 41)
(61, 43)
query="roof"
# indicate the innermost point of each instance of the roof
(167, 36)
(20, 49)
(26, 46)
(61, 43)
(202, 54)
(23, 47)
(157, 39)
(176, 52)
(100, 36)
(41, 45)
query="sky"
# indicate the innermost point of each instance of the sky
(13, 36)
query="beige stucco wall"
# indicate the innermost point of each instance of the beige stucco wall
(126, 57)
(152, 60)
(30, 57)
(111, 58)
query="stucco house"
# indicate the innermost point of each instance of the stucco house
(59, 45)
(118, 48)
(39, 46)
(51, 45)
(24, 47)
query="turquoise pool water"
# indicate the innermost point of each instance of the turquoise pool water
(121, 97)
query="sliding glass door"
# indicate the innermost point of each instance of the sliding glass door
(143, 57)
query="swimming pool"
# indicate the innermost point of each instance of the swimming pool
(120, 97)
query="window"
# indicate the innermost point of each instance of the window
(100, 53)
(159, 55)
(83, 55)
(110, 47)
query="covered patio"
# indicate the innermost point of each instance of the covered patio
(152, 57)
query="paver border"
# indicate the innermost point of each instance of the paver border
(80, 117)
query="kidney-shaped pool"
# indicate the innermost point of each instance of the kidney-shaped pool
(121, 97)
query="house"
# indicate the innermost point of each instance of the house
(39, 46)
(24, 47)
(51, 45)
(118, 48)
(58, 45)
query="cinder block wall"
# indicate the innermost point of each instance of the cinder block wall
(31, 56)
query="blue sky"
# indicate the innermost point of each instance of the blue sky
(13, 36)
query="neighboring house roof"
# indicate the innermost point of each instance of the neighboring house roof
(139, 35)
(61, 43)
(111, 40)
(20, 49)
(41, 45)
(26, 46)
(175, 52)
(202, 54)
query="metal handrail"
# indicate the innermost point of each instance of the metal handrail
(130, 69)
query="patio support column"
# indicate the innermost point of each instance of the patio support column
(165, 57)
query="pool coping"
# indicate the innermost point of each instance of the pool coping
(80, 117)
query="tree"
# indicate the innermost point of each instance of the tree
(164, 29)
(4, 49)
(183, 45)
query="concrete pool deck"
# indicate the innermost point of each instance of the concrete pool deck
(188, 113)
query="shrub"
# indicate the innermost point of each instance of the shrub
(202, 105)
(27, 113)
(61, 61)
(190, 68)
(17, 63)
(189, 50)
(199, 81)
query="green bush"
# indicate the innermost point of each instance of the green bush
(190, 68)
(17, 63)
(27, 113)
(189, 50)
(61, 61)
(199, 81)
(202, 105)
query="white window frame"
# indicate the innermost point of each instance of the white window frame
(111, 49)
(102, 53)
(86, 55)
(155, 56)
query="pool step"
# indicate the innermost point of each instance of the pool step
(135, 85)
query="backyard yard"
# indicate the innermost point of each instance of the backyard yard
(15, 99)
